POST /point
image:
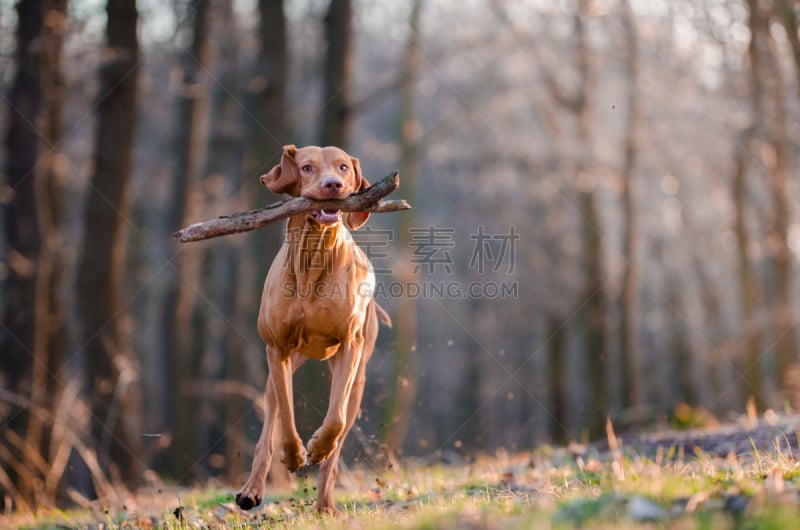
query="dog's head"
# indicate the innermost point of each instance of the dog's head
(319, 173)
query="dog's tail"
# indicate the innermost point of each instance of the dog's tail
(383, 316)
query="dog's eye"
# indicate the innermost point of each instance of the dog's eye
(306, 168)
(343, 167)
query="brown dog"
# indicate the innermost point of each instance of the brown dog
(317, 304)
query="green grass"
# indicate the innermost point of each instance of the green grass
(545, 489)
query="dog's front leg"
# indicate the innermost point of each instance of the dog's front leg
(330, 467)
(293, 453)
(344, 366)
(252, 493)
(253, 490)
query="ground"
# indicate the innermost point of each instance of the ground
(742, 475)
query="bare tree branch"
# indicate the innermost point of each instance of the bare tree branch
(368, 200)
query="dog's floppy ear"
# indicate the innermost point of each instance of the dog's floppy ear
(285, 177)
(356, 220)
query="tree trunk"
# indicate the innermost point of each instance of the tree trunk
(268, 132)
(749, 292)
(401, 408)
(268, 125)
(594, 317)
(37, 102)
(223, 353)
(594, 312)
(111, 371)
(22, 231)
(49, 343)
(557, 352)
(629, 344)
(780, 166)
(273, 60)
(179, 304)
(788, 16)
(336, 95)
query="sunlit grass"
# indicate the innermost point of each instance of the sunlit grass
(542, 489)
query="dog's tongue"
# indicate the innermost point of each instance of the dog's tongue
(328, 216)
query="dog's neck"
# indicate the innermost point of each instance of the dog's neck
(315, 249)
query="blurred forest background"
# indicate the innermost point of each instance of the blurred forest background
(616, 178)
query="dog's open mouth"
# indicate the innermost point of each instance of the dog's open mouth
(326, 217)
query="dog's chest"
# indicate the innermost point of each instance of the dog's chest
(310, 327)
(313, 309)
(313, 316)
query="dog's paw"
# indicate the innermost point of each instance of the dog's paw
(293, 455)
(247, 500)
(326, 508)
(323, 443)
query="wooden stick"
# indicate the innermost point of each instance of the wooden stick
(368, 200)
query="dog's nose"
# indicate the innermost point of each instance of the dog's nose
(332, 184)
